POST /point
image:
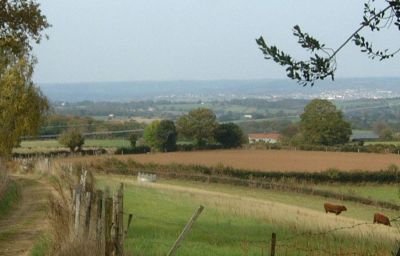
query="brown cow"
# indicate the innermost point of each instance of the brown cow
(337, 209)
(381, 219)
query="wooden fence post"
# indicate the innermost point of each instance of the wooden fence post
(115, 224)
(88, 209)
(120, 216)
(129, 223)
(108, 204)
(77, 209)
(273, 244)
(99, 214)
(185, 231)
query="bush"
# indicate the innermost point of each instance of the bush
(185, 147)
(73, 139)
(131, 150)
(192, 147)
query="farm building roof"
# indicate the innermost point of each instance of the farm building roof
(363, 135)
(274, 136)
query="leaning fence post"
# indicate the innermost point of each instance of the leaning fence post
(273, 244)
(129, 223)
(185, 231)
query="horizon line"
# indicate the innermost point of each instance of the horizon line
(209, 80)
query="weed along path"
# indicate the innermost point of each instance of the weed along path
(27, 221)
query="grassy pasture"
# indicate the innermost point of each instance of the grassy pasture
(357, 211)
(396, 143)
(380, 192)
(239, 221)
(43, 144)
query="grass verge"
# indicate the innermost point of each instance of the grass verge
(9, 198)
(41, 247)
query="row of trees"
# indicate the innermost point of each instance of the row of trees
(320, 124)
(199, 125)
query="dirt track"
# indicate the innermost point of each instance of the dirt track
(24, 225)
(274, 160)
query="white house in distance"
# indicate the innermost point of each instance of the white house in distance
(263, 137)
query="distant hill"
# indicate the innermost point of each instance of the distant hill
(351, 88)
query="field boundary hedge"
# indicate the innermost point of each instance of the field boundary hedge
(275, 180)
(61, 153)
(386, 176)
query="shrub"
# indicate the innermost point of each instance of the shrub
(131, 150)
(72, 139)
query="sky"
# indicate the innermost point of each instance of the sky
(136, 40)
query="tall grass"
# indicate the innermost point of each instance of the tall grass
(232, 226)
(64, 242)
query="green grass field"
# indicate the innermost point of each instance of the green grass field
(380, 192)
(396, 143)
(240, 221)
(105, 143)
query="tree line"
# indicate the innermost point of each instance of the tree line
(198, 127)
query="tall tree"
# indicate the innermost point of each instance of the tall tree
(22, 105)
(321, 123)
(133, 139)
(165, 136)
(198, 124)
(229, 135)
(384, 131)
(322, 62)
(290, 134)
(21, 23)
(149, 134)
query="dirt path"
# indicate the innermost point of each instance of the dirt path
(24, 225)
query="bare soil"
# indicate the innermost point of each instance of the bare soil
(272, 160)
(27, 222)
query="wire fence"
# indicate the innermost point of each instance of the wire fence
(288, 244)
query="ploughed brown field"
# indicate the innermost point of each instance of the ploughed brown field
(275, 160)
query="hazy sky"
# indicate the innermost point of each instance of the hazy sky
(124, 40)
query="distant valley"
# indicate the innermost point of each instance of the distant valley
(191, 91)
